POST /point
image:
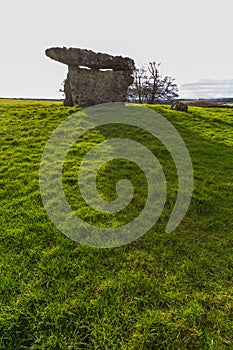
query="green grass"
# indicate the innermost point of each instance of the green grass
(164, 291)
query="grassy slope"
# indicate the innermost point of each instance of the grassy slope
(164, 291)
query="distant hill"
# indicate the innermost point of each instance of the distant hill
(220, 102)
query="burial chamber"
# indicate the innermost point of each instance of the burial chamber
(93, 78)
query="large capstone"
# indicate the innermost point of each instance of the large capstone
(93, 78)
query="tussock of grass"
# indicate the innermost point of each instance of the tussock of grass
(164, 291)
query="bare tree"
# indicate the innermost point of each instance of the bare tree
(150, 86)
(61, 90)
(169, 88)
(154, 81)
(137, 90)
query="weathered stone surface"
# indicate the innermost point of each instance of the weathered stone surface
(179, 106)
(68, 101)
(87, 87)
(88, 58)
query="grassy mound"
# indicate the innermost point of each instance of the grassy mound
(164, 291)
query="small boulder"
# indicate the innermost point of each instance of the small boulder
(179, 106)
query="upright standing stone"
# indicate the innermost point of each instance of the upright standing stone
(105, 78)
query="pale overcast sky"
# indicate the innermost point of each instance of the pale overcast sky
(192, 40)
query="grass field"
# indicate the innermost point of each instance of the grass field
(164, 291)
